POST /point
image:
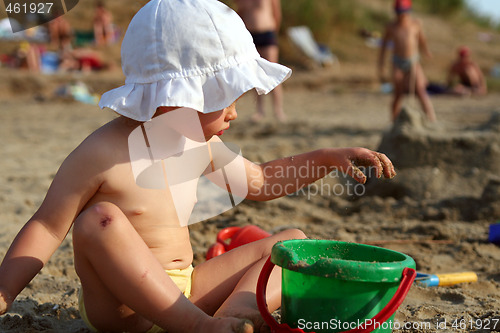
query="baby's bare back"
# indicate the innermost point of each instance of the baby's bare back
(150, 211)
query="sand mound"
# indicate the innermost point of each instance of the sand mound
(438, 161)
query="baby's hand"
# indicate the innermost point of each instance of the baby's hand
(353, 160)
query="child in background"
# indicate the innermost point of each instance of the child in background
(408, 76)
(186, 63)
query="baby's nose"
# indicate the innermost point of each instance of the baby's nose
(232, 115)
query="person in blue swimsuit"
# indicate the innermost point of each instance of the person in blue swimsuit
(407, 74)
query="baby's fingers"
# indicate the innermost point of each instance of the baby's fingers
(387, 166)
(370, 159)
(357, 174)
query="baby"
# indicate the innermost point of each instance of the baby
(129, 188)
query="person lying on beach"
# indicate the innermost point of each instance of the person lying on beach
(407, 74)
(82, 59)
(471, 78)
(186, 64)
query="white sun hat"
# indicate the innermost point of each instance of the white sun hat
(188, 53)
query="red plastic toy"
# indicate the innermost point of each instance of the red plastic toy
(232, 237)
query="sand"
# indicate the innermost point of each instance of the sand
(437, 209)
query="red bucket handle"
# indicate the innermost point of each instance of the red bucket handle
(226, 234)
(408, 276)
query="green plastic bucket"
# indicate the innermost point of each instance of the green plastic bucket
(331, 286)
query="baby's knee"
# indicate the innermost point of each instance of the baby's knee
(292, 234)
(96, 218)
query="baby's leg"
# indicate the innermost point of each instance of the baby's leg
(125, 288)
(112, 261)
(225, 285)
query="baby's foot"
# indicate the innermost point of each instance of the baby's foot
(227, 325)
(247, 313)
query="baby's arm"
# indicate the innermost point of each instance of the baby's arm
(292, 173)
(73, 185)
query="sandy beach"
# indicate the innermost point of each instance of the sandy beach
(437, 209)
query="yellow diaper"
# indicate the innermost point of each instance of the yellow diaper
(181, 277)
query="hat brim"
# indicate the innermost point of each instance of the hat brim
(205, 93)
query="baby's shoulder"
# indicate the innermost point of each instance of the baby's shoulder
(104, 143)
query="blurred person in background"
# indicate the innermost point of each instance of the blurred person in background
(406, 34)
(263, 19)
(471, 80)
(103, 25)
